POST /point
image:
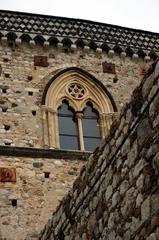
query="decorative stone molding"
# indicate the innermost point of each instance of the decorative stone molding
(98, 51)
(76, 29)
(73, 47)
(46, 44)
(111, 53)
(77, 89)
(92, 34)
(86, 49)
(135, 57)
(123, 55)
(4, 41)
(60, 45)
(18, 42)
(147, 58)
(32, 43)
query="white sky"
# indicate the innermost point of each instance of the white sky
(139, 14)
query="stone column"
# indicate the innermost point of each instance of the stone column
(52, 128)
(102, 125)
(79, 116)
(45, 127)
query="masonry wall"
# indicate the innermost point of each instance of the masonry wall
(36, 193)
(22, 85)
(21, 88)
(116, 196)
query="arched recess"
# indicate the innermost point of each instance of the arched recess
(78, 88)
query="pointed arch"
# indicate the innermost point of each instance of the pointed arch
(77, 87)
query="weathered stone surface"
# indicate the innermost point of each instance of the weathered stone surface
(33, 193)
(115, 195)
(122, 198)
(145, 209)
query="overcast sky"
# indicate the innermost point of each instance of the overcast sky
(139, 14)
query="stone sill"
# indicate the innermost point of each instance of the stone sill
(43, 153)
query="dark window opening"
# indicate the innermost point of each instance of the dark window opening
(30, 93)
(6, 75)
(4, 90)
(6, 127)
(7, 143)
(34, 113)
(4, 108)
(91, 132)
(11, 44)
(46, 174)
(67, 127)
(14, 202)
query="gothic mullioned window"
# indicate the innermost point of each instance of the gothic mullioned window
(78, 130)
(77, 111)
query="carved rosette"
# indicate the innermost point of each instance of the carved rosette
(76, 91)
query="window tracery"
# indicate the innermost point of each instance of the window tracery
(78, 112)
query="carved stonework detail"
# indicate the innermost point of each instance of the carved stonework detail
(108, 67)
(7, 174)
(76, 91)
(40, 61)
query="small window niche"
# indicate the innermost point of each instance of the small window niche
(6, 127)
(4, 88)
(14, 202)
(33, 112)
(7, 75)
(46, 174)
(30, 93)
(4, 108)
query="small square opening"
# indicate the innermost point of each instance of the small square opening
(14, 202)
(6, 127)
(46, 174)
(30, 93)
(33, 112)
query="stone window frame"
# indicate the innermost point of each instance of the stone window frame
(57, 91)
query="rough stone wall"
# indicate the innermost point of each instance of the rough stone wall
(22, 85)
(36, 195)
(116, 196)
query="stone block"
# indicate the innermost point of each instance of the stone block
(7, 174)
(145, 209)
(144, 133)
(108, 67)
(41, 61)
(38, 164)
(155, 204)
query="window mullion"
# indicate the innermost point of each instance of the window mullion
(79, 116)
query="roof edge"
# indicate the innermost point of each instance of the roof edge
(77, 19)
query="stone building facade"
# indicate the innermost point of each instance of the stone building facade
(116, 194)
(53, 71)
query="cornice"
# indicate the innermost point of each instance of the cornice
(75, 32)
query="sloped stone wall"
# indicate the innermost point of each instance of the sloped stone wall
(116, 196)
